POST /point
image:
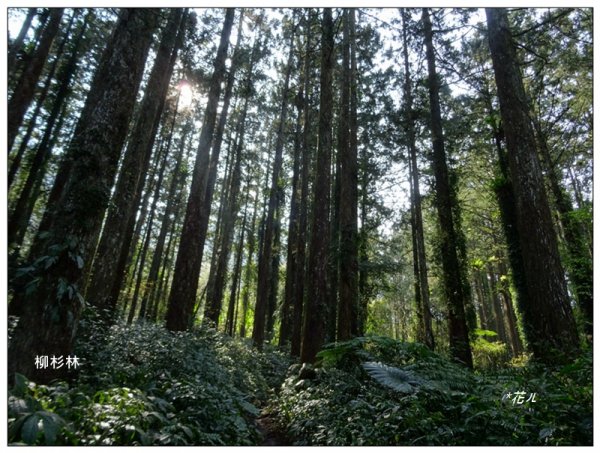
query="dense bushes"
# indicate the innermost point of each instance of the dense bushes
(406, 395)
(144, 385)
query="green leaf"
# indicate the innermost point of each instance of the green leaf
(392, 377)
(30, 429)
(52, 426)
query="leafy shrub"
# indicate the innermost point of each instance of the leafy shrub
(144, 385)
(377, 391)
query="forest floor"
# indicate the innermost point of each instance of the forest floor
(270, 431)
(143, 385)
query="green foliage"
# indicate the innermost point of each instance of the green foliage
(143, 385)
(406, 395)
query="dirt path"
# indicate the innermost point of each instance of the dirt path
(271, 434)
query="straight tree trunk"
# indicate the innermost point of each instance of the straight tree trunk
(157, 256)
(17, 45)
(214, 299)
(425, 329)
(187, 266)
(348, 292)
(249, 265)
(39, 103)
(149, 229)
(51, 312)
(578, 262)
(25, 88)
(21, 215)
(511, 317)
(547, 316)
(265, 273)
(300, 272)
(454, 291)
(318, 261)
(235, 280)
(118, 228)
(285, 331)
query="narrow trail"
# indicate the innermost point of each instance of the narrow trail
(270, 431)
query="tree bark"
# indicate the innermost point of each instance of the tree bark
(21, 215)
(118, 228)
(51, 312)
(547, 316)
(265, 257)
(25, 88)
(187, 266)
(17, 45)
(316, 300)
(453, 278)
(348, 292)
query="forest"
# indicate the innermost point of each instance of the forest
(299, 226)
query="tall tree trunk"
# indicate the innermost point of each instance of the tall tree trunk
(149, 229)
(419, 259)
(578, 262)
(17, 45)
(547, 317)
(275, 261)
(285, 330)
(19, 219)
(39, 102)
(318, 261)
(25, 89)
(265, 256)
(249, 266)
(119, 225)
(348, 297)
(177, 177)
(300, 272)
(453, 278)
(214, 299)
(511, 317)
(187, 266)
(237, 270)
(496, 304)
(51, 312)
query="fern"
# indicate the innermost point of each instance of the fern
(400, 380)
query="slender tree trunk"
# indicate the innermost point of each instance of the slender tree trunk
(19, 219)
(106, 273)
(265, 273)
(249, 265)
(496, 304)
(275, 261)
(214, 300)
(237, 270)
(25, 88)
(17, 45)
(285, 331)
(187, 266)
(157, 256)
(453, 278)
(511, 317)
(300, 272)
(348, 297)
(39, 103)
(51, 312)
(547, 317)
(578, 262)
(419, 259)
(318, 261)
(149, 229)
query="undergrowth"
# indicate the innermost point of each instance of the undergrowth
(378, 391)
(143, 385)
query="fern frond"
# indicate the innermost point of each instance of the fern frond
(400, 380)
